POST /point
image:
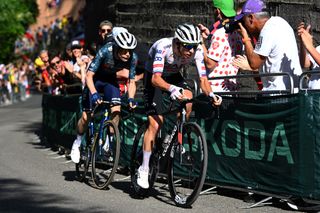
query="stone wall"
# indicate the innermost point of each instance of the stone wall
(150, 20)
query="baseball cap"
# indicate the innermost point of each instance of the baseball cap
(226, 7)
(250, 7)
(76, 45)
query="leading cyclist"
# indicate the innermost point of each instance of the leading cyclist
(166, 58)
(114, 62)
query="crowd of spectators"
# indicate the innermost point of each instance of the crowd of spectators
(44, 61)
(14, 82)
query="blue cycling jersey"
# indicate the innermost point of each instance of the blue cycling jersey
(105, 64)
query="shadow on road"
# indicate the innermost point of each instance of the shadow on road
(20, 196)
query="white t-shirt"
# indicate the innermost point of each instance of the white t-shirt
(223, 48)
(277, 42)
(314, 82)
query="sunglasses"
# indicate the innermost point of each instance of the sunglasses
(124, 51)
(105, 30)
(55, 63)
(189, 46)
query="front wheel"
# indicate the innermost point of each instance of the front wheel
(187, 166)
(105, 155)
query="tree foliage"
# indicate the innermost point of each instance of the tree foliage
(16, 16)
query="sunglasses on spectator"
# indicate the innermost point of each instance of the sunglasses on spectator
(55, 63)
(189, 46)
(105, 30)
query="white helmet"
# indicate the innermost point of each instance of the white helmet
(188, 33)
(125, 40)
(117, 30)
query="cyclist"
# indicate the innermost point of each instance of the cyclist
(166, 58)
(113, 61)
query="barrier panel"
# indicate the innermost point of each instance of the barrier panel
(269, 144)
(60, 115)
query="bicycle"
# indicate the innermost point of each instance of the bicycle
(187, 155)
(102, 148)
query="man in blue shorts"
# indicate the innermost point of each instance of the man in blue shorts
(114, 62)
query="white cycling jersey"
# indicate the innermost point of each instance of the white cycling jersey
(161, 59)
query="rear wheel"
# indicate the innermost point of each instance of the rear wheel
(187, 166)
(105, 155)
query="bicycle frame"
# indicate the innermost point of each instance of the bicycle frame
(177, 129)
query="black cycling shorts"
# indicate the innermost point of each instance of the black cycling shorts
(154, 97)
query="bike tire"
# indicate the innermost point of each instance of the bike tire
(104, 162)
(187, 167)
(136, 161)
(83, 165)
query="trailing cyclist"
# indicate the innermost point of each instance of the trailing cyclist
(166, 58)
(114, 62)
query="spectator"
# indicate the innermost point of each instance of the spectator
(58, 72)
(225, 44)
(276, 50)
(105, 33)
(44, 57)
(309, 55)
(79, 62)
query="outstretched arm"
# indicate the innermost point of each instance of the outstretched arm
(307, 41)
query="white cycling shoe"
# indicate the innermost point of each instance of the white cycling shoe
(142, 179)
(75, 151)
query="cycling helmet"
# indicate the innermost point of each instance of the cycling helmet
(125, 40)
(188, 33)
(117, 30)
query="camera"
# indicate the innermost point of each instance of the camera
(231, 25)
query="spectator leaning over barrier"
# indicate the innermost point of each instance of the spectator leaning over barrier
(113, 61)
(309, 55)
(276, 48)
(225, 44)
(58, 72)
(105, 34)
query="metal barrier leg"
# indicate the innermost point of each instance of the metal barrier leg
(260, 203)
(208, 190)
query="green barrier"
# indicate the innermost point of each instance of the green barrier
(60, 115)
(254, 143)
(270, 144)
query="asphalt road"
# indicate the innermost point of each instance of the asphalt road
(34, 178)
